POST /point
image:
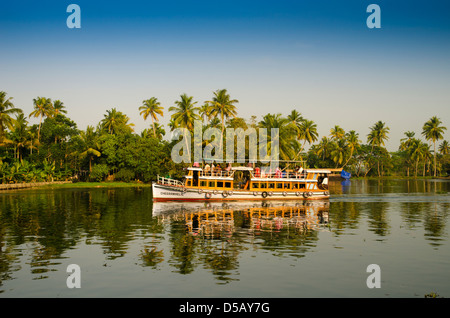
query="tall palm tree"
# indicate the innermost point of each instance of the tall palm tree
(377, 137)
(434, 131)
(59, 108)
(90, 145)
(307, 131)
(185, 114)
(296, 118)
(444, 148)
(287, 142)
(7, 109)
(20, 135)
(337, 132)
(43, 107)
(115, 121)
(405, 145)
(222, 106)
(323, 148)
(151, 107)
(353, 142)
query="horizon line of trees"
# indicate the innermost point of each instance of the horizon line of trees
(56, 149)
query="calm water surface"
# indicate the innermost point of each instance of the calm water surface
(126, 246)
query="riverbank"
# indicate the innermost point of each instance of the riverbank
(70, 184)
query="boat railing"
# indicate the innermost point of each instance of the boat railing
(169, 181)
(220, 173)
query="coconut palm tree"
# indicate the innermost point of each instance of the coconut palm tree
(7, 109)
(90, 145)
(353, 142)
(337, 132)
(222, 106)
(59, 108)
(20, 135)
(115, 121)
(287, 142)
(296, 118)
(405, 145)
(377, 137)
(185, 114)
(43, 107)
(307, 131)
(434, 131)
(444, 148)
(324, 147)
(151, 107)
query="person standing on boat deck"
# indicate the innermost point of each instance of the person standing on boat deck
(257, 172)
(212, 168)
(207, 167)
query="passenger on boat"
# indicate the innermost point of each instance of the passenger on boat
(196, 165)
(207, 168)
(257, 172)
(277, 173)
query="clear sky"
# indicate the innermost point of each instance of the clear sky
(318, 57)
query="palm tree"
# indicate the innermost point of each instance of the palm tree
(90, 145)
(287, 142)
(7, 109)
(185, 114)
(42, 108)
(405, 145)
(353, 142)
(115, 121)
(444, 148)
(323, 147)
(20, 135)
(432, 130)
(377, 137)
(151, 107)
(296, 118)
(205, 112)
(59, 108)
(307, 131)
(222, 105)
(337, 132)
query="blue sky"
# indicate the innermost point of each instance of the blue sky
(318, 57)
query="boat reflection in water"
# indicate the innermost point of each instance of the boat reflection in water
(220, 219)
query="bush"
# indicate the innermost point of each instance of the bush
(99, 172)
(125, 175)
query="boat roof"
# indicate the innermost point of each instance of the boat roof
(242, 168)
(318, 170)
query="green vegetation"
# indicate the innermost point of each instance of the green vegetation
(56, 149)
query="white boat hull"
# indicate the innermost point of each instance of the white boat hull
(177, 193)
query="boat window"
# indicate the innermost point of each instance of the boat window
(211, 184)
(189, 183)
(219, 184)
(302, 186)
(227, 184)
(287, 185)
(263, 185)
(271, 185)
(279, 185)
(295, 186)
(255, 185)
(203, 183)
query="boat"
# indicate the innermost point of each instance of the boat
(243, 183)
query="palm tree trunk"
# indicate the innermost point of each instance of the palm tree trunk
(154, 130)
(434, 142)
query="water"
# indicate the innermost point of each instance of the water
(128, 247)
